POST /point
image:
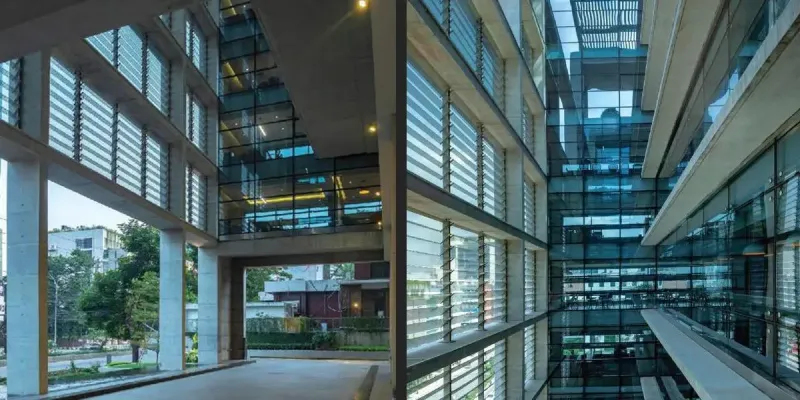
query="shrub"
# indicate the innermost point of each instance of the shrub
(324, 340)
(280, 346)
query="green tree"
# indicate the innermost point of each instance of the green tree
(141, 306)
(257, 276)
(107, 302)
(69, 276)
(342, 271)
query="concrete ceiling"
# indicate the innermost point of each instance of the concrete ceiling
(324, 49)
(29, 26)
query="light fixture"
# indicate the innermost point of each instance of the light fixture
(377, 194)
(362, 4)
(363, 191)
(754, 249)
(355, 305)
(793, 240)
(372, 128)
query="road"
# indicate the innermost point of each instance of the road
(60, 365)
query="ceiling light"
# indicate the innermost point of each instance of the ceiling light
(363, 191)
(377, 193)
(362, 4)
(372, 128)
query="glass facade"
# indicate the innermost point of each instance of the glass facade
(739, 254)
(599, 206)
(742, 27)
(270, 180)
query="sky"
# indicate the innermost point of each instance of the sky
(66, 207)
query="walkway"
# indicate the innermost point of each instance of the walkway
(266, 379)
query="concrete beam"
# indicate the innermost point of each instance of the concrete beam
(78, 55)
(26, 27)
(440, 58)
(661, 18)
(763, 105)
(430, 199)
(650, 388)
(648, 15)
(310, 259)
(70, 174)
(299, 245)
(709, 377)
(692, 28)
(332, 83)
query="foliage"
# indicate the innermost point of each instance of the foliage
(192, 355)
(280, 346)
(280, 337)
(121, 308)
(324, 340)
(257, 276)
(65, 228)
(365, 324)
(142, 307)
(279, 324)
(342, 272)
(72, 274)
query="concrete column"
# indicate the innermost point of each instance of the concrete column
(26, 301)
(177, 179)
(515, 188)
(540, 351)
(178, 27)
(515, 344)
(172, 301)
(512, 9)
(213, 9)
(224, 309)
(238, 351)
(208, 306)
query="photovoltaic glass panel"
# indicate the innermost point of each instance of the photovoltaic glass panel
(96, 118)
(104, 44)
(425, 272)
(494, 179)
(129, 155)
(425, 128)
(495, 276)
(157, 181)
(130, 56)
(62, 108)
(464, 278)
(463, 158)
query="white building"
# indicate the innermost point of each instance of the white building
(104, 245)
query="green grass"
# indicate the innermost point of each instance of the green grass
(129, 365)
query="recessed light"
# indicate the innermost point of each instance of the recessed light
(362, 4)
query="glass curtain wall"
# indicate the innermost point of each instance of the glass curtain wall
(599, 206)
(270, 180)
(742, 27)
(740, 255)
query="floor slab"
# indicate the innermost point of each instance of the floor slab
(265, 379)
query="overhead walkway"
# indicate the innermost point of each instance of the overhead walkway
(713, 373)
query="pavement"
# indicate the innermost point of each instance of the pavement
(268, 379)
(62, 365)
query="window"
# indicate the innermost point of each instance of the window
(83, 244)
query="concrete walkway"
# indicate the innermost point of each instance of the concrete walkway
(265, 379)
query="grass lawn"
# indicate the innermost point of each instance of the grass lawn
(129, 365)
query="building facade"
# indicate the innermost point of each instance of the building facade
(103, 244)
(185, 116)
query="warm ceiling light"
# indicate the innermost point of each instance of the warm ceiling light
(377, 193)
(362, 4)
(355, 305)
(363, 191)
(372, 129)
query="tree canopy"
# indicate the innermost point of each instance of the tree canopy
(257, 276)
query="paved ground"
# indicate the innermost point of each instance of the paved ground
(266, 379)
(60, 365)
